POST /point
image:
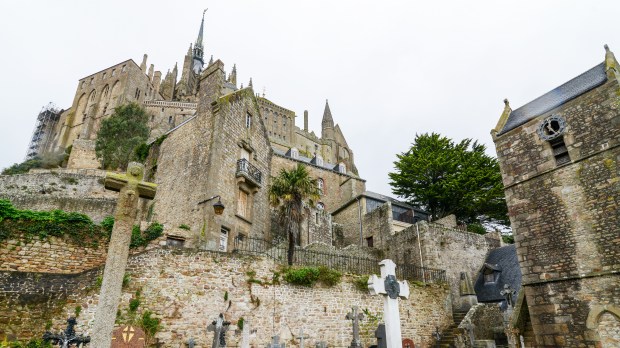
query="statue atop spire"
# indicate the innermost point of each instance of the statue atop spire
(199, 48)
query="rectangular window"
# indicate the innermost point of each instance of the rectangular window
(248, 121)
(489, 277)
(224, 239)
(560, 152)
(242, 204)
(175, 242)
(369, 242)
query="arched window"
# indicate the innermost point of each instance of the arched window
(320, 184)
(320, 206)
(248, 120)
(106, 89)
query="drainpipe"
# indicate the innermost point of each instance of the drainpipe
(417, 231)
(359, 211)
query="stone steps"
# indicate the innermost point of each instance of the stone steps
(447, 335)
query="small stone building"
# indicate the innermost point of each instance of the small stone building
(559, 155)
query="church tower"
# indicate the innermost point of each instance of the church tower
(199, 49)
(327, 124)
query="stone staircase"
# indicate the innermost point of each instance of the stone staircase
(448, 335)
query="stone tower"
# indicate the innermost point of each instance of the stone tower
(327, 124)
(560, 161)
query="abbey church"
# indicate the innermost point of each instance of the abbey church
(214, 140)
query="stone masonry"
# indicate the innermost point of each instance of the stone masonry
(566, 215)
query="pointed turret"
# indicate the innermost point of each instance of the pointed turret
(250, 84)
(232, 78)
(327, 131)
(198, 48)
(211, 60)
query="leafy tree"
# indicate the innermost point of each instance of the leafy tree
(291, 190)
(120, 135)
(446, 178)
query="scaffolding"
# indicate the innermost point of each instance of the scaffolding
(42, 135)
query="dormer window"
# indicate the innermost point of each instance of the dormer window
(342, 168)
(294, 153)
(490, 272)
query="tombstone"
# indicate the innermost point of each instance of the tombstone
(219, 328)
(131, 188)
(245, 334)
(391, 289)
(380, 335)
(128, 337)
(408, 343)
(355, 317)
(275, 342)
(67, 338)
(301, 338)
(191, 343)
(320, 344)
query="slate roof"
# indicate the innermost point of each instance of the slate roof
(556, 97)
(505, 260)
(326, 165)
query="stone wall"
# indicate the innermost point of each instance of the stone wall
(566, 218)
(488, 322)
(441, 248)
(83, 155)
(186, 289)
(69, 190)
(53, 255)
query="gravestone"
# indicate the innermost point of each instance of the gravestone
(219, 328)
(67, 338)
(245, 334)
(131, 188)
(355, 317)
(321, 344)
(408, 343)
(128, 337)
(301, 338)
(275, 342)
(391, 289)
(380, 335)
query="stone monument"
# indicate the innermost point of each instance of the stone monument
(128, 337)
(275, 343)
(391, 289)
(301, 338)
(131, 188)
(219, 328)
(355, 317)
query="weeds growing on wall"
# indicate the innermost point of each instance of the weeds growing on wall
(28, 224)
(361, 283)
(33, 343)
(143, 238)
(308, 276)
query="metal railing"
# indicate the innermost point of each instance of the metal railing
(339, 262)
(248, 170)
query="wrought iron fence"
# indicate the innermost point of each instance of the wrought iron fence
(244, 167)
(339, 262)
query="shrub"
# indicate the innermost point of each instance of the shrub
(184, 227)
(133, 304)
(141, 239)
(149, 324)
(328, 276)
(476, 228)
(108, 224)
(361, 283)
(306, 276)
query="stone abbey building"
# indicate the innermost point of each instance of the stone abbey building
(560, 160)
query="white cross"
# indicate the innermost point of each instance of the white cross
(392, 289)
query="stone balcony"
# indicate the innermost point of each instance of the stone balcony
(249, 173)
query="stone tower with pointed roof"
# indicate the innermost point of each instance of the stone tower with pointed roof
(560, 161)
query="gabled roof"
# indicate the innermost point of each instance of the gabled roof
(556, 97)
(504, 261)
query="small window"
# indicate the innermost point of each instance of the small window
(103, 76)
(248, 121)
(175, 242)
(489, 277)
(124, 68)
(560, 152)
(316, 216)
(83, 82)
(169, 119)
(92, 80)
(224, 239)
(342, 168)
(320, 183)
(294, 153)
(113, 72)
(369, 242)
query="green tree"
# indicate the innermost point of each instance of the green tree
(291, 191)
(446, 178)
(120, 134)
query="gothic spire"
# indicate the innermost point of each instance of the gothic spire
(232, 78)
(198, 48)
(327, 116)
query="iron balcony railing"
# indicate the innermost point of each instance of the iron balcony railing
(249, 171)
(339, 262)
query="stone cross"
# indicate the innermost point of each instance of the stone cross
(301, 338)
(219, 328)
(355, 317)
(131, 188)
(509, 294)
(392, 289)
(67, 338)
(245, 334)
(380, 336)
(276, 343)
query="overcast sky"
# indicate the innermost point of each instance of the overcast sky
(390, 69)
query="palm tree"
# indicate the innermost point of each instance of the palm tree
(291, 190)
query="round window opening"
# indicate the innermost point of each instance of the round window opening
(551, 128)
